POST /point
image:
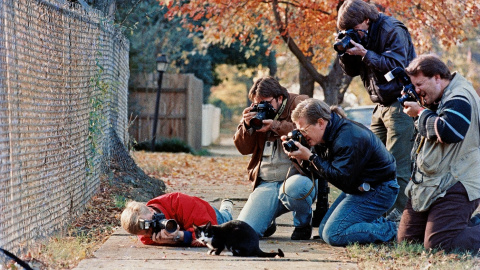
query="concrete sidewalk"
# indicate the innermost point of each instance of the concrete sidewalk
(124, 251)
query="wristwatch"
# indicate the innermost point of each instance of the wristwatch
(312, 157)
(177, 238)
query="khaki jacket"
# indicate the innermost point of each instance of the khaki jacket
(441, 165)
(248, 141)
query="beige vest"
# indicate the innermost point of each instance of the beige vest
(275, 163)
(440, 165)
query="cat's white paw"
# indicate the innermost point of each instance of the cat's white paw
(211, 252)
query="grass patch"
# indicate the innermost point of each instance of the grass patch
(409, 256)
(63, 252)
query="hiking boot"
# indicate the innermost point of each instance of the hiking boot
(271, 229)
(394, 215)
(302, 233)
(227, 205)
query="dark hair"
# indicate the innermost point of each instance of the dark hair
(267, 87)
(429, 65)
(313, 109)
(354, 12)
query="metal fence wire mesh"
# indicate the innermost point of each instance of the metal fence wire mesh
(63, 96)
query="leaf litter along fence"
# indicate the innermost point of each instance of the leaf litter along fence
(63, 105)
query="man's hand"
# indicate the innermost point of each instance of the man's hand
(357, 49)
(412, 108)
(303, 153)
(163, 236)
(266, 125)
(247, 115)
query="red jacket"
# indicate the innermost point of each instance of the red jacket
(185, 210)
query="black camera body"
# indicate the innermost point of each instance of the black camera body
(158, 223)
(408, 88)
(264, 111)
(344, 43)
(292, 137)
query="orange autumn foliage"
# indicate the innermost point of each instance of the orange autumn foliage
(311, 25)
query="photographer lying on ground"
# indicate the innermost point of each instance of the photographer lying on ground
(176, 210)
(444, 189)
(259, 134)
(352, 158)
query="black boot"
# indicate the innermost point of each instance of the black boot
(271, 229)
(302, 233)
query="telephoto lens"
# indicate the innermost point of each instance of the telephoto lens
(170, 225)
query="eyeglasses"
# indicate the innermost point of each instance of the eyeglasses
(304, 131)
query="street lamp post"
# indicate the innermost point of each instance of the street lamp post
(162, 63)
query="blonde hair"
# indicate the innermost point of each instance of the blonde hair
(131, 214)
(313, 109)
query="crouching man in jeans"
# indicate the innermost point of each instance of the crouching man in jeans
(278, 187)
(444, 189)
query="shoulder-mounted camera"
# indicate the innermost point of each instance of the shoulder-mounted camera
(158, 223)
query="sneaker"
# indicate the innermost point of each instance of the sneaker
(227, 205)
(302, 233)
(394, 215)
(271, 229)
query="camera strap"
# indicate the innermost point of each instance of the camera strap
(311, 178)
(281, 109)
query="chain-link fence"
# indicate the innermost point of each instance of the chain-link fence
(63, 97)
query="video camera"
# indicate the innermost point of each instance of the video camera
(264, 111)
(345, 37)
(408, 88)
(158, 223)
(292, 137)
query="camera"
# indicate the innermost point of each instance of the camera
(264, 111)
(345, 37)
(158, 223)
(408, 88)
(292, 137)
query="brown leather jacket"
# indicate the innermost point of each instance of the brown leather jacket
(248, 141)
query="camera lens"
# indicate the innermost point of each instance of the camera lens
(170, 225)
(257, 121)
(290, 146)
(342, 45)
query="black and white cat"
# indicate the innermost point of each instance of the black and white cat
(237, 236)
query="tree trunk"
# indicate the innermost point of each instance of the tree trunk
(335, 84)
(307, 82)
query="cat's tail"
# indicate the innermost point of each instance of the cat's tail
(270, 254)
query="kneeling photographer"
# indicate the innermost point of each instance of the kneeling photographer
(169, 219)
(349, 156)
(258, 135)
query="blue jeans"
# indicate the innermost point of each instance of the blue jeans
(268, 201)
(396, 130)
(222, 216)
(358, 217)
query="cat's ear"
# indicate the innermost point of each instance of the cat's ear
(207, 226)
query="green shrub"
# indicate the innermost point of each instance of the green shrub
(173, 145)
(203, 152)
